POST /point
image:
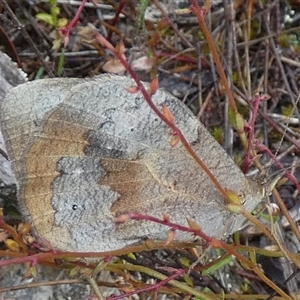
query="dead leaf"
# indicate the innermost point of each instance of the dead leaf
(114, 66)
(143, 63)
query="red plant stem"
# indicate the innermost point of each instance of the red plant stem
(250, 153)
(288, 174)
(49, 257)
(176, 131)
(174, 226)
(216, 244)
(152, 287)
(116, 18)
(22, 257)
(66, 30)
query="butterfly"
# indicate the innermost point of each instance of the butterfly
(85, 151)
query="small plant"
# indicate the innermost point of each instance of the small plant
(57, 24)
(54, 21)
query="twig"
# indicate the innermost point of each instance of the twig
(24, 32)
(176, 131)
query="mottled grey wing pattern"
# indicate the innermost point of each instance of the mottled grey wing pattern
(85, 151)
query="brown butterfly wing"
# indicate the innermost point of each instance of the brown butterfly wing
(100, 151)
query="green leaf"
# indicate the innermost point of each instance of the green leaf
(233, 197)
(47, 18)
(62, 22)
(232, 118)
(131, 255)
(56, 45)
(55, 10)
(218, 134)
(288, 110)
(188, 280)
(53, 2)
(221, 263)
(99, 268)
(74, 272)
(234, 208)
(185, 261)
(240, 122)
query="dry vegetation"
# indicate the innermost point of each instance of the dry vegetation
(259, 50)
